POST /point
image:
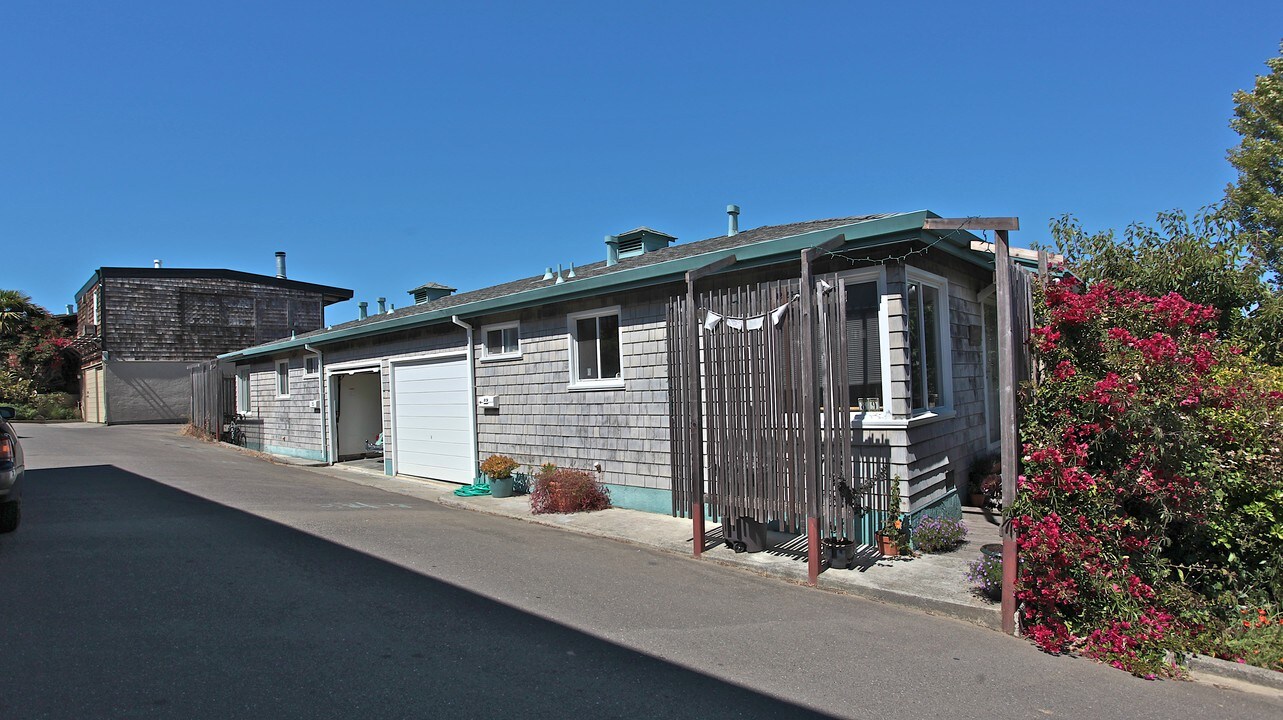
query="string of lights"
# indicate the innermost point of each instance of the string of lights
(905, 256)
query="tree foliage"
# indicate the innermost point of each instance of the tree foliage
(32, 349)
(1255, 200)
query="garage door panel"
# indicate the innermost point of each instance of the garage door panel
(432, 424)
(438, 401)
(434, 384)
(420, 424)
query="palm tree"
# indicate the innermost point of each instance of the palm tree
(16, 311)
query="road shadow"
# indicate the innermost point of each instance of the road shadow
(123, 596)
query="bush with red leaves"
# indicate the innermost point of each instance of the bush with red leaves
(566, 491)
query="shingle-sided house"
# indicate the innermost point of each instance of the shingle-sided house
(140, 328)
(587, 372)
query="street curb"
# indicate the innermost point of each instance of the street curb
(976, 616)
(1261, 677)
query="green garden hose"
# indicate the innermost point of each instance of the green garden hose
(473, 490)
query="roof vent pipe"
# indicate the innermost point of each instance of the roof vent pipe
(71, 309)
(732, 220)
(363, 305)
(155, 263)
(612, 250)
(280, 264)
(383, 305)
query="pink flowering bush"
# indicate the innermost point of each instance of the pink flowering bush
(1118, 474)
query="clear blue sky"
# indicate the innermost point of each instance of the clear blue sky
(387, 144)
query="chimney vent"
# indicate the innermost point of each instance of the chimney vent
(732, 220)
(155, 263)
(383, 305)
(612, 250)
(280, 264)
(363, 305)
(71, 309)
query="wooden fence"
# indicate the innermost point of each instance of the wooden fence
(213, 396)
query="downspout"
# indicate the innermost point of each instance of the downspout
(320, 398)
(472, 388)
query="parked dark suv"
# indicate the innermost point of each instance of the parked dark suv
(11, 469)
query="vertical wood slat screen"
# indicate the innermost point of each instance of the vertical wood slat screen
(750, 404)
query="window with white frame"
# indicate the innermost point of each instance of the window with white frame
(927, 308)
(864, 341)
(242, 390)
(310, 365)
(989, 345)
(501, 341)
(282, 378)
(594, 348)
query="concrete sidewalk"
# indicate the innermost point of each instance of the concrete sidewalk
(935, 583)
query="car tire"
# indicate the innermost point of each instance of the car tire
(10, 516)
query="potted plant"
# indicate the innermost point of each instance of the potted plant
(498, 469)
(839, 550)
(984, 481)
(985, 573)
(892, 537)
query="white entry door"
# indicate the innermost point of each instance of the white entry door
(432, 420)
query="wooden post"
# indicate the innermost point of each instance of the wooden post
(1007, 418)
(696, 428)
(1006, 388)
(810, 464)
(811, 407)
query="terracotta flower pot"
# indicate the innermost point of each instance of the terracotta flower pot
(888, 545)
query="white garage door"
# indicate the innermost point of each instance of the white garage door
(431, 424)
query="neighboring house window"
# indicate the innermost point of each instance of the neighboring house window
(242, 390)
(927, 307)
(502, 341)
(310, 365)
(594, 348)
(283, 378)
(989, 346)
(864, 342)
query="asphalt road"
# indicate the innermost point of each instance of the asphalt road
(158, 576)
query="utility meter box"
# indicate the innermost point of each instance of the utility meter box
(487, 401)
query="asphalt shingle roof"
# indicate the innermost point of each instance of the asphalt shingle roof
(672, 252)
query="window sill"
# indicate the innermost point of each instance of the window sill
(883, 421)
(599, 385)
(498, 358)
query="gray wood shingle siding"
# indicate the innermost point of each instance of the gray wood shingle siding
(283, 423)
(192, 319)
(539, 419)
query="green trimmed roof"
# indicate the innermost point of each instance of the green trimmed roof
(762, 245)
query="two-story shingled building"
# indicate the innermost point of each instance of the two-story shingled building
(140, 329)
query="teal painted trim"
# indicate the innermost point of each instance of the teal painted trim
(295, 452)
(610, 282)
(949, 506)
(649, 500)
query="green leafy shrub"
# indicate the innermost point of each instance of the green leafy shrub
(566, 491)
(1255, 639)
(51, 406)
(936, 534)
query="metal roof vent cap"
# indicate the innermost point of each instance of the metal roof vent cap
(732, 220)
(280, 264)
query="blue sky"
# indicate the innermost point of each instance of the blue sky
(388, 144)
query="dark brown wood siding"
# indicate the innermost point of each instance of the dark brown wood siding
(192, 319)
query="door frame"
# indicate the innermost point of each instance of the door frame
(423, 359)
